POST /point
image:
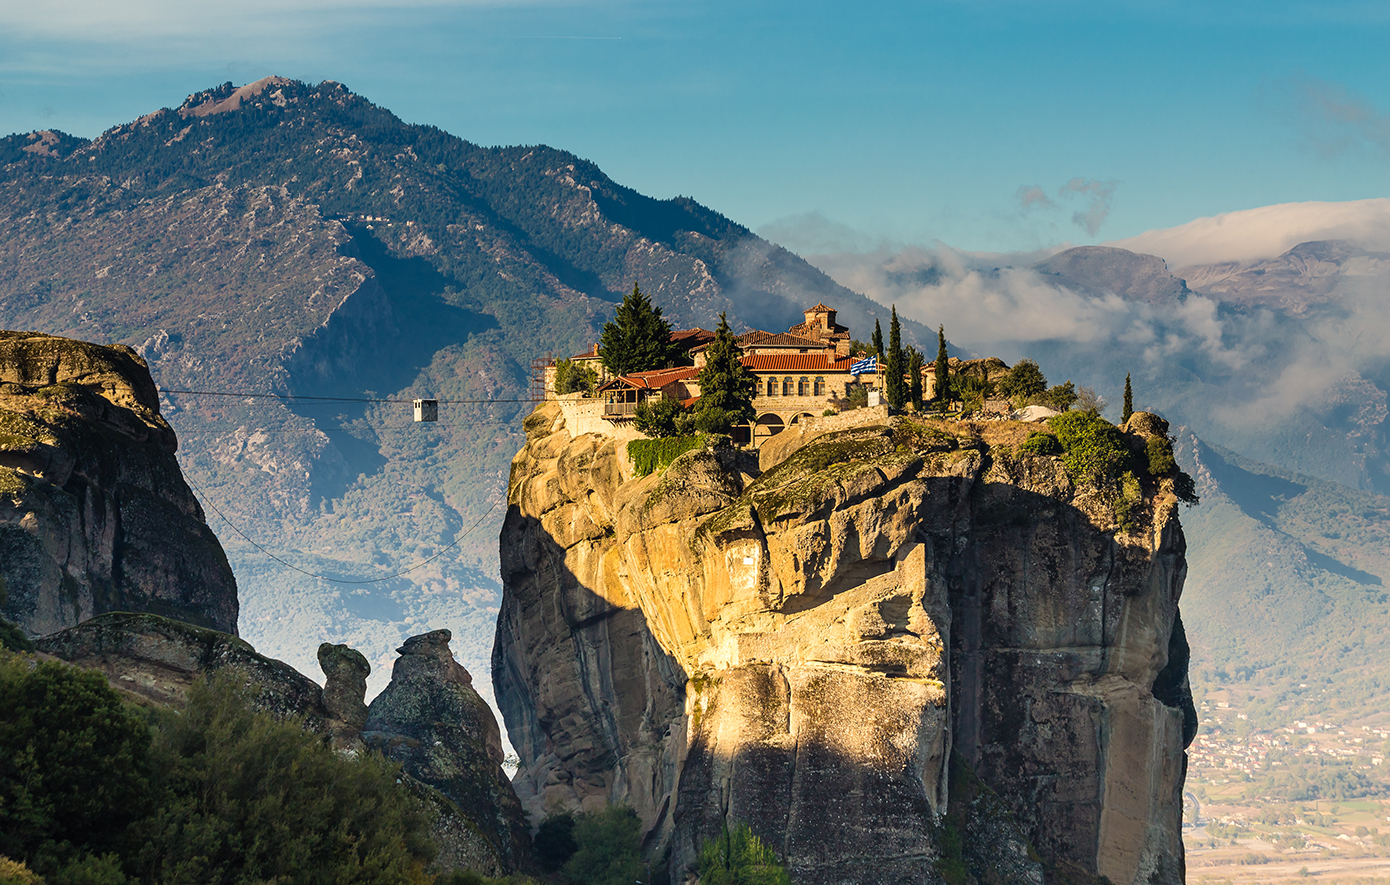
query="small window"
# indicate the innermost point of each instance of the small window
(787, 386)
(772, 387)
(803, 386)
(820, 387)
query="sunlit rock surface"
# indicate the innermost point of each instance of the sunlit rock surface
(804, 645)
(95, 515)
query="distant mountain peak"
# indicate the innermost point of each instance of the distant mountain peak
(214, 101)
(1133, 276)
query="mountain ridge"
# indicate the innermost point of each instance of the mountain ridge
(303, 241)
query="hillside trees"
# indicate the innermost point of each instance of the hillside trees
(726, 387)
(914, 378)
(1129, 401)
(877, 341)
(638, 338)
(75, 765)
(91, 792)
(1023, 382)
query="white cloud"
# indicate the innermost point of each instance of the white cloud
(1251, 234)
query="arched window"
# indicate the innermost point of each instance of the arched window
(803, 386)
(787, 386)
(820, 386)
(772, 387)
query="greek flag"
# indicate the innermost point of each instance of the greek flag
(867, 364)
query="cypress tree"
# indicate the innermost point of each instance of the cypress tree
(726, 387)
(943, 367)
(638, 338)
(893, 387)
(1129, 400)
(877, 340)
(914, 378)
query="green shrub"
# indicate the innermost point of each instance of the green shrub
(650, 455)
(572, 376)
(1160, 452)
(468, 877)
(12, 872)
(737, 857)
(12, 637)
(1129, 501)
(609, 848)
(1039, 443)
(1094, 450)
(1185, 489)
(662, 418)
(1023, 382)
(1061, 397)
(74, 764)
(249, 799)
(554, 841)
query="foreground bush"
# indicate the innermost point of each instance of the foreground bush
(737, 857)
(74, 765)
(90, 794)
(609, 848)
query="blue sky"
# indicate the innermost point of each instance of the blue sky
(1008, 125)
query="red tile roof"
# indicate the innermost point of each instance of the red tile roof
(655, 379)
(797, 362)
(775, 339)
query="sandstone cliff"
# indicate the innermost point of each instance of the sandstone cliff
(429, 718)
(95, 515)
(805, 643)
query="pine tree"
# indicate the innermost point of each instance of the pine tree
(877, 340)
(638, 339)
(726, 387)
(914, 378)
(943, 367)
(894, 388)
(1129, 400)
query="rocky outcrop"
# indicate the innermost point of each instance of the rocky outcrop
(95, 515)
(802, 645)
(432, 720)
(429, 718)
(157, 660)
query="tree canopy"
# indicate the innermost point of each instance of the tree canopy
(638, 338)
(942, 369)
(894, 385)
(726, 387)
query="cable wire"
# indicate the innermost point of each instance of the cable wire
(203, 495)
(333, 399)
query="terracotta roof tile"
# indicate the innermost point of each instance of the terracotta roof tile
(654, 379)
(796, 362)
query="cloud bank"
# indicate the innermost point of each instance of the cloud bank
(1265, 232)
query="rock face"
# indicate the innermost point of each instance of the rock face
(95, 515)
(806, 644)
(432, 720)
(429, 718)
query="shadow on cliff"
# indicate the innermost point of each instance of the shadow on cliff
(596, 708)
(402, 319)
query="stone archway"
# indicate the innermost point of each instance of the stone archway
(768, 425)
